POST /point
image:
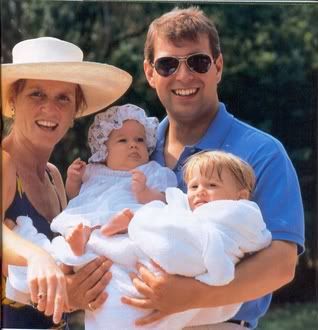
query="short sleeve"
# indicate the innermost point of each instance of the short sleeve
(278, 195)
(160, 177)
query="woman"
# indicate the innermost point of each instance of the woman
(43, 90)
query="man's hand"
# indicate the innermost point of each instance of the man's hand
(86, 287)
(165, 294)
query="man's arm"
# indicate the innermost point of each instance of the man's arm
(255, 277)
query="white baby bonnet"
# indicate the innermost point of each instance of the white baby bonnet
(113, 118)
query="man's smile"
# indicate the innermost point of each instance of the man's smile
(185, 91)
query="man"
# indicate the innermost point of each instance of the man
(183, 63)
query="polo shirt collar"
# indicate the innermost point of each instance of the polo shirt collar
(213, 137)
(217, 132)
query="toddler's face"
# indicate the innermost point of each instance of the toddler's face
(202, 189)
(127, 147)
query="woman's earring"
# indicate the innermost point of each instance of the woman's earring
(72, 123)
(12, 111)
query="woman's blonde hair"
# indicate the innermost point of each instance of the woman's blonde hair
(210, 161)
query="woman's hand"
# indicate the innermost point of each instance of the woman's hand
(165, 294)
(47, 285)
(86, 287)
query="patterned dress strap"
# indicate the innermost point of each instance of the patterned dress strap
(53, 183)
(19, 186)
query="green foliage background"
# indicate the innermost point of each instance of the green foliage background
(270, 77)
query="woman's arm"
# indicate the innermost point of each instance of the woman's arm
(44, 276)
(84, 287)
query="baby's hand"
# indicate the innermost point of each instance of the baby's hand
(138, 182)
(76, 170)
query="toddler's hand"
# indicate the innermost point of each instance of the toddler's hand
(76, 170)
(138, 181)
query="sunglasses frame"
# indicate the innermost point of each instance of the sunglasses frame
(182, 59)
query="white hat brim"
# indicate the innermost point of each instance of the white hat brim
(102, 84)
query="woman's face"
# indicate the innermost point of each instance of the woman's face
(44, 110)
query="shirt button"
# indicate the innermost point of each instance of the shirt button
(179, 167)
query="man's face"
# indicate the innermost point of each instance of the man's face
(186, 95)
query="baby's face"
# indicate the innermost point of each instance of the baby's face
(202, 189)
(127, 147)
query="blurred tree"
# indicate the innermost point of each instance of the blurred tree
(270, 75)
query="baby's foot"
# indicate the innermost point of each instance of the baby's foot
(118, 224)
(78, 238)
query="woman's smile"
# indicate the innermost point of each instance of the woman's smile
(46, 125)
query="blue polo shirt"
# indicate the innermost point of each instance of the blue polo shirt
(277, 189)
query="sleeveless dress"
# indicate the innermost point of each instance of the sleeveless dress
(13, 314)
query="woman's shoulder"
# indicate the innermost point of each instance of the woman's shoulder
(54, 172)
(58, 181)
(8, 167)
(7, 159)
(8, 181)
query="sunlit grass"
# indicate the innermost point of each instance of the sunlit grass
(291, 317)
(279, 317)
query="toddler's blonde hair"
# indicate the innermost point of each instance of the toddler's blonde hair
(210, 161)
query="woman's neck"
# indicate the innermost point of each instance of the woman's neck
(27, 157)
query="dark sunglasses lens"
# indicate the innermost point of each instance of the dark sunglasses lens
(200, 63)
(166, 66)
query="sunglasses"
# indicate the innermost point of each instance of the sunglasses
(168, 65)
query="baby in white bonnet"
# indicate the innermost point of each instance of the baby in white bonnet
(121, 140)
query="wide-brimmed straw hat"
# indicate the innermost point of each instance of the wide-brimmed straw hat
(54, 59)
